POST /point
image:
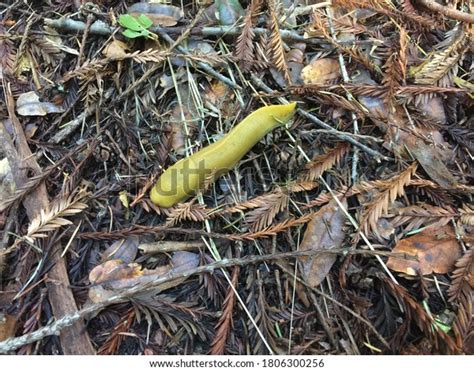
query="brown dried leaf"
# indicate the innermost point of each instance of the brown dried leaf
(324, 232)
(321, 71)
(435, 248)
(114, 275)
(7, 326)
(28, 104)
(7, 183)
(160, 14)
(430, 158)
(116, 49)
(125, 250)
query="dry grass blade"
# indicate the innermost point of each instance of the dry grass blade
(50, 220)
(326, 161)
(394, 187)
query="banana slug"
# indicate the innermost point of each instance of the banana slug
(186, 176)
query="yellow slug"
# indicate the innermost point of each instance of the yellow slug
(186, 176)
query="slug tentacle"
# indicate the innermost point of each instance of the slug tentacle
(186, 176)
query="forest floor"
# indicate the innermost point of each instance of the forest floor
(347, 230)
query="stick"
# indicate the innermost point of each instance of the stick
(68, 320)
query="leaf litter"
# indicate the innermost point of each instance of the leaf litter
(106, 97)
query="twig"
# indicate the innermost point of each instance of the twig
(211, 71)
(448, 12)
(330, 130)
(345, 76)
(74, 340)
(68, 320)
(101, 28)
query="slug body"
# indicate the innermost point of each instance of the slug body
(186, 176)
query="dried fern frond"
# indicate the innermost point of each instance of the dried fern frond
(41, 46)
(263, 200)
(441, 66)
(415, 311)
(224, 326)
(394, 187)
(263, 216)
(275, 229)
(462, 276)
(7, 54)
(387, 8)
(395, 68)
(187, 211)
(91, 67)
(461, 292)
(376, 91)
(463, 326)
(413, 15)
(276, 50)
(422, 215)
(467, 214)
(244, 47)
(326, 161)
(50, 220)
(319, 23)
(113, 342)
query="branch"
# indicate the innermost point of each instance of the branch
(447, 12)
(68, 320)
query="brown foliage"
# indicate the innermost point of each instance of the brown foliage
(392, 188)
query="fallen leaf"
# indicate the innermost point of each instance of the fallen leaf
(321, 71)
(116, 49)
(7, 326)
(167, 246)
(324, 232)
(228, 11)
(436, 250)
(160, 14)
(115, 275)
(125, 250)
(7, 184)
(28, 104)
(30, 130)
(432, 158)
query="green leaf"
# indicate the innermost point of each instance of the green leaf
(133, 34)
(130, 22)
(145, 21)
